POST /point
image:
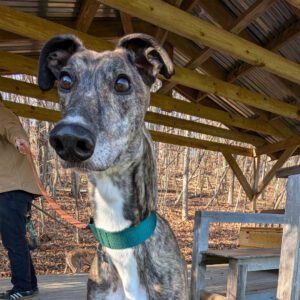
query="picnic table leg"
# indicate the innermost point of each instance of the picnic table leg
(200, 244)
(289, 270)
(236, 282)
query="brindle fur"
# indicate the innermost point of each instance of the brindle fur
(123, 151)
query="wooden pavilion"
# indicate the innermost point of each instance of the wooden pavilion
(237, 62)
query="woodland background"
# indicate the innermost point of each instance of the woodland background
(188, 180)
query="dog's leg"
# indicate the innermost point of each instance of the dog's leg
(126, 265)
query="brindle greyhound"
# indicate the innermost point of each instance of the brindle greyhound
(104, 97)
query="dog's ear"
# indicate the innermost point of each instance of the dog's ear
(149, 57)
(54, 56)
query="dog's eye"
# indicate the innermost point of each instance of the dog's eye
(65, 82)
(122, 84)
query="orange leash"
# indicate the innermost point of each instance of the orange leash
(63, 215)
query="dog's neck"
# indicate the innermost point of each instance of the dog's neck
(125, 194)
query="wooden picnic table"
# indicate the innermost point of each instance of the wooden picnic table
(242, 261)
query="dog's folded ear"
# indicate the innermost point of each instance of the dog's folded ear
(150, 58)
(54, 56)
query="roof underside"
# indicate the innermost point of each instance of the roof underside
(273, 25)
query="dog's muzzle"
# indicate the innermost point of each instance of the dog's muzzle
(72, 142)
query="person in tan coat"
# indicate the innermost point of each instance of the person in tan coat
(17, 190)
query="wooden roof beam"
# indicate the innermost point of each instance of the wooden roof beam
(226, 20)
(88, 11)
(218, 87)
(284, 37)
(39, 113)
(200, 144)
(166, 16)
(236, 26)
(41, 29)
(165, 103)
(126, 23)
(151, 117)
(193, 126)
(279, 146)
(162, 34)
(169, 104)
(295, 3)
(183, 76)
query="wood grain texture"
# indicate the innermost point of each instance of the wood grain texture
(166, 16)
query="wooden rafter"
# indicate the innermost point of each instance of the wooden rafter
(166, 16)
(199, 144)
(252, 13)
(182, 76)
(40, 29)
(87, 13)
(33, 112)
(161, 34)
(40, 113)
(239, 174)
(225, 19)
(26, 89)
(282, 145)
(236, 27)
(295, 3)
(192, 126)
(126, 23)
(169, 104)
(289, 34)
(220, 88)
(164, 102)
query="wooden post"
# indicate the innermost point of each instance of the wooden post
(237, 279)
(200, 244)
(289, 271)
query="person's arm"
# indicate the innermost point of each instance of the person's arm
(12, 130)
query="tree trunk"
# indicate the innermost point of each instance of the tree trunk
(185, 183)
(231, 189)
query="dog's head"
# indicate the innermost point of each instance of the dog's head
(103, 96)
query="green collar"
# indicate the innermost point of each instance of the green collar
(128, 237)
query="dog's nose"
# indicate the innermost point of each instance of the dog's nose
(72, 142)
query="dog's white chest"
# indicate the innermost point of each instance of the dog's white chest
(126, 265)
(109, 216)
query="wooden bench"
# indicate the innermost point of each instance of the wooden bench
(240, 260)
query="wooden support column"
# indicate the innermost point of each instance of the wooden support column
(289, 270)
(237, 279)
(239, 174)
(256, 172)
(200, 244)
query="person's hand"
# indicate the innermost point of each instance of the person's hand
(22, 145)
